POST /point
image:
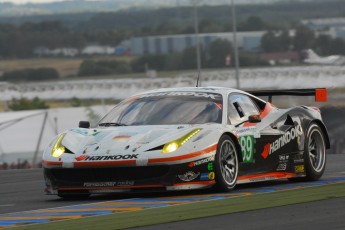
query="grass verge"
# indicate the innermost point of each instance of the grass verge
(197, 210)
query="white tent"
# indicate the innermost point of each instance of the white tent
(24, 133)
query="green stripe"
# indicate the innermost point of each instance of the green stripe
(197, 210)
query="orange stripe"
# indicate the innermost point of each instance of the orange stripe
(267, 110)
(277, 175)
(46, 163)
(197, 182)
(186, 156)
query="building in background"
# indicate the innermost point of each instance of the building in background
(163, 44)
(335, 27)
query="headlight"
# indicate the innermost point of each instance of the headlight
(174, 145)
(58, 148)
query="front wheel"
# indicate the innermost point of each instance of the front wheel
(314, 153)
(226, 163)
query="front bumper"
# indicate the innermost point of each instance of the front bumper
(130, 178)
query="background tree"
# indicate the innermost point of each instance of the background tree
(322, 44)
(337, 46)
(304, 38)
(217, 52)
(189, 58)
(26, 104)
(30, 74)
(270, 42)
(253, 23)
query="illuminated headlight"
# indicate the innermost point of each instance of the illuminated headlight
(58, 148)
(174, 145)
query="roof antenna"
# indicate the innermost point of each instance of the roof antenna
(197, 81)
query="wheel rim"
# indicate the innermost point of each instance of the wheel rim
(316, 150)
(228, 162)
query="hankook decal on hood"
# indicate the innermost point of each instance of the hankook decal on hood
(107, 158)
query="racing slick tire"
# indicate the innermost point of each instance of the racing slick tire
(314, 153)
(226, 164)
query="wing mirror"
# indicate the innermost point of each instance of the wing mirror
(251, 119)
(254, 118)
(84, 124)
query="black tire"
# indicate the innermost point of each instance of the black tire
(226, 164)
(314, 153)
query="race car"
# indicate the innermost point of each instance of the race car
(189, 138)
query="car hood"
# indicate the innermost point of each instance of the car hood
(122, 140)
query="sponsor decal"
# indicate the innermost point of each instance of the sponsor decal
(202, 161)
(108, 184)
(266, 151)
(107, 158)
(188, 176)
(245, 130)
(247, 147)
(121, 138)
(283, 158)
(82, 157)
(262, 179)
(207, 176)
(299, 168)
(281, 167)
(99, 184)
(195, 94)
(281, 141)
(211, 175)
(210, 166)
(204, 176)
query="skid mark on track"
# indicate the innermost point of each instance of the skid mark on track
(136, 204)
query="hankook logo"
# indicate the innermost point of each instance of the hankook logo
(281, 141)
(107, 158)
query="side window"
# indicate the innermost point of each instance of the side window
(240, 106)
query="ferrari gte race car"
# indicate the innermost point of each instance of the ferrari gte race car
(189, 138)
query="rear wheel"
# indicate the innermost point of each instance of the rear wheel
(226, 163)
(314, 153)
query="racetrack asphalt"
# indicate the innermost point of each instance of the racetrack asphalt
(23, 190)
(319, 215)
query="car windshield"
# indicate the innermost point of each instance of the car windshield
(166, 108)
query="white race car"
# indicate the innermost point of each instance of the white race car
(188, 138)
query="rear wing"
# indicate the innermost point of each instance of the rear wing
(319, 93)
